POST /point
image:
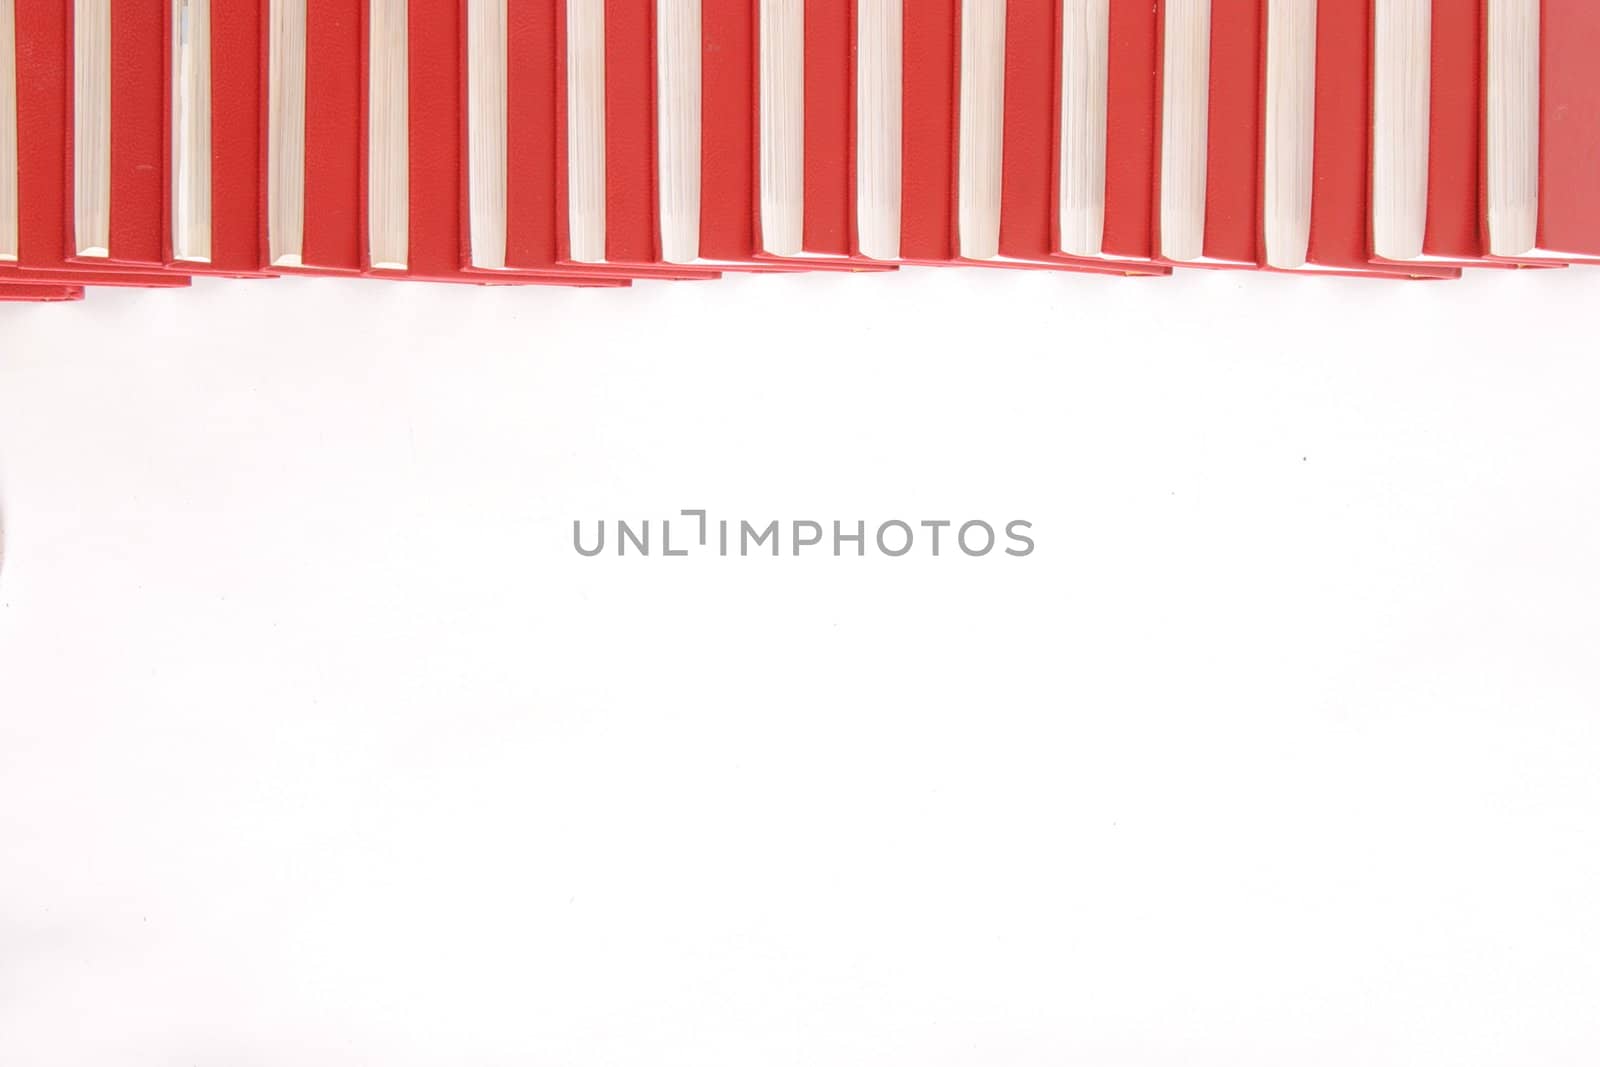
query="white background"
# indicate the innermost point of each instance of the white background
(319, 744)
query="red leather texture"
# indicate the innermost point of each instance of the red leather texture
(138, 132)
(1030, 174)
(1454, 135)
(531, 185)
(928, 164)
(729, 137)
(44, 174)
(1233, 195)
(1130, 129)
(1569, 130)
(335, 136)
(630, 133)
(829, 103)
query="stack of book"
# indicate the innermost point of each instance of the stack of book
(597, 142)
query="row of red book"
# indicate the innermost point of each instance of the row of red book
(598, 142)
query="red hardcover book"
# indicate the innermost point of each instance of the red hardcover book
(425, 172)
(731, 235)
(331, 216)
(1337, 241)
(1426, 193)
(929, 190)
(529, 54)
(1127, 178)
(137, 135)
(1130, 130)
(621, 201)
(729, 142)
(532, 203)
(236, 106)
(1542, 133)
(435, 110)
(1204, 215)
(932, 229)
(827, 139)
(44, 71)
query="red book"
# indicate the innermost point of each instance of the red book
(605, 100)
(531, 57)
(729, 141)
(1131, 130)
(1542, 129)
(45, 229)
(1337, 185)
(383, 172)
(1426, 192)
(952, 214)
(234, 161)
(827, 138)
(136, 134)
(428, 144)
(1029, 233)
(1103, 212)
(1207, 144)
(330, 219)
(928, 190)
(731, 175)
